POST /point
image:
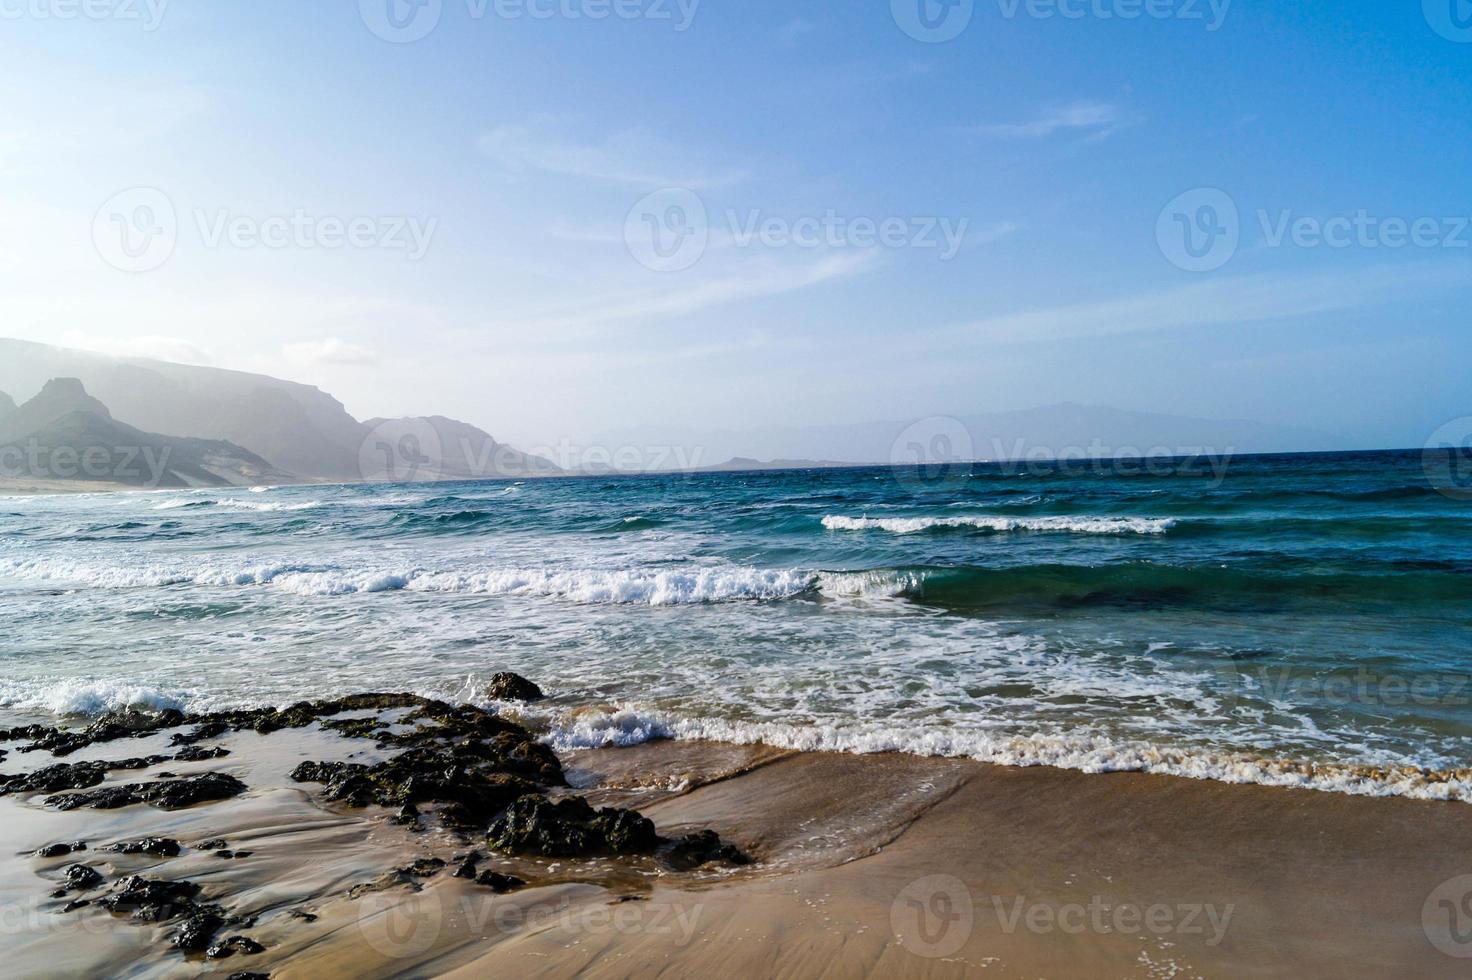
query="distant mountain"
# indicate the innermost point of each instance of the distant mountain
(64, 434)
(438, 448)
(298, 428)
(1056, 431)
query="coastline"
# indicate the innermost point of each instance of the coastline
(864, 864)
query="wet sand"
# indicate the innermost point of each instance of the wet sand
(881, 865)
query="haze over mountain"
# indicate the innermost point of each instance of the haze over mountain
(260, 424)
(65, 434)
(298, 428)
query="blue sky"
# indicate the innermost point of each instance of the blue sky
(521, 150)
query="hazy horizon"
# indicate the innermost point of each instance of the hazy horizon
(554, 227)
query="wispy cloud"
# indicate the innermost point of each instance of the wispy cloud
(1098, 119)
(151, 346)
(633, 157)
(1217, 302)
(751, 280)
(332, 350)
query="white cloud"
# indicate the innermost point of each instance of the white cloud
(633, 157)
(1216, 302)
(332, 350)
(1098, 118)
(158, 348)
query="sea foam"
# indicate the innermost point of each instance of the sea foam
(1075, 525)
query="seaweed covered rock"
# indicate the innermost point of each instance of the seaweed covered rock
(507, 686)
(570, 828)
(171, 794)
(693, 850)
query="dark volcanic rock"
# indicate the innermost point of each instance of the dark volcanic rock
(693, 850)
(157, 846)
(62, 775)
(210, 729)
(60, 850)
(76, 903)
(193, 753)
(82, 877)
(513, 687)
(249, 976)
(197, 931)
(152, 900)
(499, 883)
(124, 724)
(570, 828)
(213, 844)
(173, 794)
(466, 869)
(425, 868)
(233, 945)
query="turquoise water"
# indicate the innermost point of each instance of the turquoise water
(1289, 620)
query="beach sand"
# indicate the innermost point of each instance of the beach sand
(881, 865)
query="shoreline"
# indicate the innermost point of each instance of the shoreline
(864, 864)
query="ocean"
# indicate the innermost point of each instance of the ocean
(1300, 620)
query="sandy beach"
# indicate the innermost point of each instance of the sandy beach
(880, 865)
